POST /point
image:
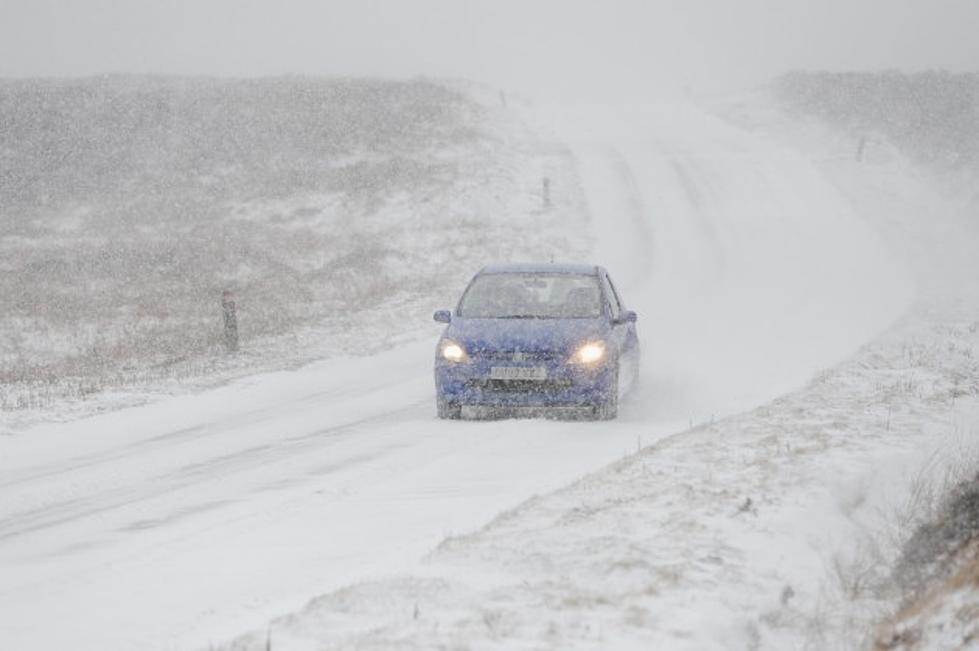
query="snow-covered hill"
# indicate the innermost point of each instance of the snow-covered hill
(337, 210)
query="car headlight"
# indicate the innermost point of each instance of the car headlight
(590, 353)
(453, 352)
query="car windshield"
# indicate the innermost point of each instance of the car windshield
(532, 296)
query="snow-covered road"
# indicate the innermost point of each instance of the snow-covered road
(191, 519)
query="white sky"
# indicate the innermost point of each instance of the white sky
(546, 47)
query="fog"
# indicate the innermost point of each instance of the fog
(555, 48)
(801, 264)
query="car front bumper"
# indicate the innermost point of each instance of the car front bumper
(558, 412)
(568, 389)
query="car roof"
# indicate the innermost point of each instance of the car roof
(537, 267)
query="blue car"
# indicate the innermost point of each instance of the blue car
(536, 340)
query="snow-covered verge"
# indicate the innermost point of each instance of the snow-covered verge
(931, 118)
(337, 210)
(777, 528)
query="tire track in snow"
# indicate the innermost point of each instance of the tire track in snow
(188, 476)
(624, 238)
(692, 178)
(194, 432)
(638, 213)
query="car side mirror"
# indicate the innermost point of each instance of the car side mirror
(626, 317)
(442, 316)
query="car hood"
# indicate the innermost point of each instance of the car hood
(557, 335)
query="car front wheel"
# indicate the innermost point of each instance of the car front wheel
(448, 410)
(609, 409)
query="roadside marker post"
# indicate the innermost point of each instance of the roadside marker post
(230, 320)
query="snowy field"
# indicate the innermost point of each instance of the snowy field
(333, 208)
(811, 343)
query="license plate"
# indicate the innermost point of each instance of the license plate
(518, 373)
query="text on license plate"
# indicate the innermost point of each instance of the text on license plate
(518, 373)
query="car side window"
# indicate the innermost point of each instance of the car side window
(615, 293)
(615, 308)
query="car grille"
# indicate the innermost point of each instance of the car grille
(523, 386)
(516, 356)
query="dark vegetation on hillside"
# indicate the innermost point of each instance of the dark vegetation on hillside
(929, 555)
(939, 574)
(128, 203)
(932, 116)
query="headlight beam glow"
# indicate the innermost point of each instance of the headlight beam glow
(590, 353)
(453, 351)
